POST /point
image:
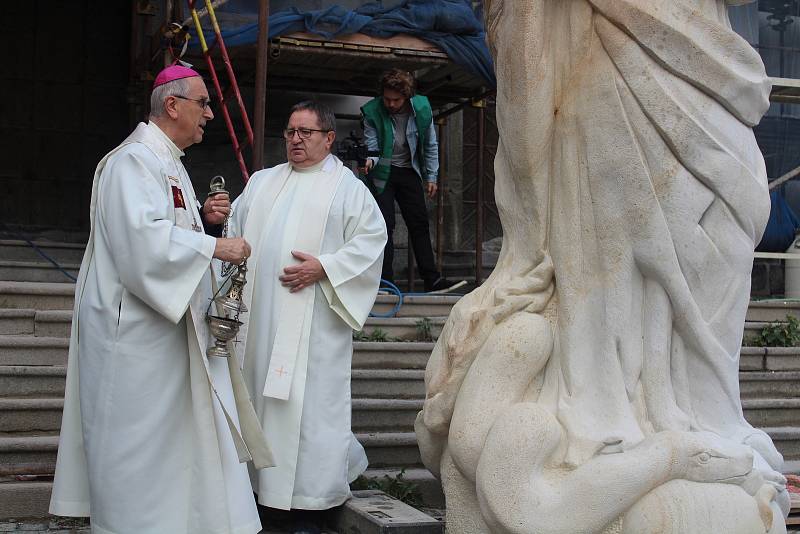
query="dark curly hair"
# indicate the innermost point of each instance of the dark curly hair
(398, 80)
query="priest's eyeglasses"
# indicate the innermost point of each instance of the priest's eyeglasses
(203, 102)
(304, 133)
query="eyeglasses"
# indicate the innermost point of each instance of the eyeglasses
(304, 133)
(203, 102)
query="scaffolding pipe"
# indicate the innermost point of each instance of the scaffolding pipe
(169, 8)
(260, 107)
(440, 193)
(412, 280)
(785, 178)
(461, 105)
(479, 198)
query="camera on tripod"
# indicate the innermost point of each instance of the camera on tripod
(353, 148)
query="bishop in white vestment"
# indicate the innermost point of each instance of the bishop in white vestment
(153, 431)
(318, 240)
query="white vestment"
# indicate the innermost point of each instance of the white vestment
(151, 439)
(303, 340)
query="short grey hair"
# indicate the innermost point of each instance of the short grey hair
(177, 87)
(325, 116)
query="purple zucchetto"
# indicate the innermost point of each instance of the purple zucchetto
(172, 73)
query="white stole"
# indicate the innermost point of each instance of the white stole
(291, 336)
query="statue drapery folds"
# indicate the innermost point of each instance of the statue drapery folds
(632, 194)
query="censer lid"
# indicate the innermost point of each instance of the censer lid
(225, 320)
(231, 305)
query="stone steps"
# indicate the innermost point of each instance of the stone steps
(38, 296)
(57, 323)
(391, 449)
(42, 323)
(369, 415)
(25, 454)
(52, 323)
(23, 499)
(769, 384)
(770, 359)
(391, 355)
(36, 454)
(772, 310)
(17, 250)
(409, 383)
(751, 328)
(17, 322)
(428, 485)
(32, 380)
(775, 412)
(31, 499)
(405, 328)
(384, 415)
(787, 440)
(48, 381)
(20, 262)
(387, 383)
(30, 414)
(36, 271)
(29, 350)
(385, 451)
(59, 296)
(417, 305)
(33, 415)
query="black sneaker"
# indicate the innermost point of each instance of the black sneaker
(441, 284)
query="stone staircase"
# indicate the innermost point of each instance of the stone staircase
(35, 319)
(20, 262)
(769, 381)
(387, 386)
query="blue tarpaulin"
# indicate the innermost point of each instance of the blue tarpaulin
(781, 226)
(449, 24)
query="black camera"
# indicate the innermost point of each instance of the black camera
(353, 148)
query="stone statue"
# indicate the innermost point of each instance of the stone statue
(591, 383)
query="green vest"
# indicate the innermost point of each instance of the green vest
(375, 112)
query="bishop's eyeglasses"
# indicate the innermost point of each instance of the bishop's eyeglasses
(204, 103)
(304, 133)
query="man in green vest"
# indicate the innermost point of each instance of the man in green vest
(398, 125)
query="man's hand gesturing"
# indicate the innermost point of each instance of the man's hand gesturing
(232, 249)
(216, 208)
(307, 273)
